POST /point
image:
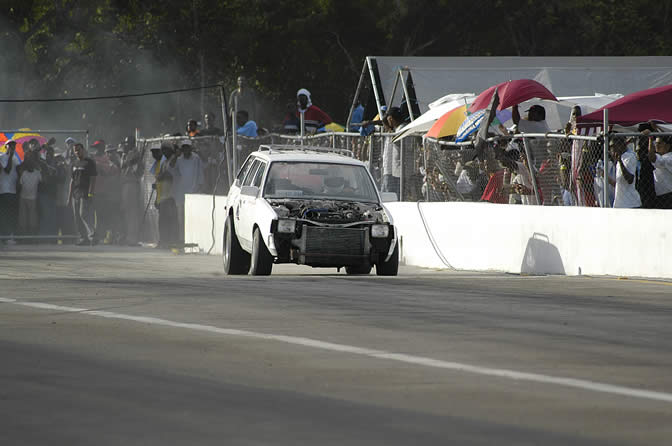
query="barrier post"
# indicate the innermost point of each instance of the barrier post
(302, 123)
(605, 154)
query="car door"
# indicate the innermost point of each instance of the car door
(245, 212)
(234, 191)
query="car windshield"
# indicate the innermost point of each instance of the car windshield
(319, 181)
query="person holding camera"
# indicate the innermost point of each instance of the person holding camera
(188, 179)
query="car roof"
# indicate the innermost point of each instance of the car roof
(307, 154)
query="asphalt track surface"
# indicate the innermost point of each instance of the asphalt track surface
(111, 346)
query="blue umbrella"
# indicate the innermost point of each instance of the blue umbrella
(470, 125)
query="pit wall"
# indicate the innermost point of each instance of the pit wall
(509, 238)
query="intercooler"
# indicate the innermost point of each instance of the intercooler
(333, 246)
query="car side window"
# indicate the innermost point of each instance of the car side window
(251, 173)
(245, 168)
(260, 175)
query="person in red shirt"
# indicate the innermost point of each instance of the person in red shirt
(314, 118)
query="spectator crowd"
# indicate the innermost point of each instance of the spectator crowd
(97, 192)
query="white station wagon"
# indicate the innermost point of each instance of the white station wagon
(310, 206)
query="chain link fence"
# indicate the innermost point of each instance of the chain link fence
(617, 170)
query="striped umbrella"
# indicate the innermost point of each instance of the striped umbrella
(470, 125)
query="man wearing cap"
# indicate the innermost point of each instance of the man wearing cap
(313, 117)
(80, 195)
(189, 179)
(165, 201)
(9, 201)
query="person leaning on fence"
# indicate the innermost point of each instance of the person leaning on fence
(80, 195)
(246, 126)
(210, 126)
(192, 128)
(661, 158)
(626, 195)
(314, 118)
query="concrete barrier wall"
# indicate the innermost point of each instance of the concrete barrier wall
(509, 238)
(198, 222)
(537, 239)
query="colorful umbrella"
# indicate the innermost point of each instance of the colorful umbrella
(448, 124)
(470, 125)
(512, 93)
(647, 105)
(21, 137)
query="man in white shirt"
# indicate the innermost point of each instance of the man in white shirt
(188, 169)
(661, 158)
(626, 195)
(9, 202)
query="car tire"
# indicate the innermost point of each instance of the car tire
(391, 267)
(362, 269)
(236, 260)
(262, 260)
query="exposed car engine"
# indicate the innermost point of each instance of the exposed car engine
(329, 211)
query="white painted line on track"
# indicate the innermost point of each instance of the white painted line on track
(379, 354)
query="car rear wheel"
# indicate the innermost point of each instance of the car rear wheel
(262, 260)
(234, 257)
(391, 267)
(358, 269)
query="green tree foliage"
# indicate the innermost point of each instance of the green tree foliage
(66, 48)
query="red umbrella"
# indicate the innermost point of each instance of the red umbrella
(647, 105)
(512, 93)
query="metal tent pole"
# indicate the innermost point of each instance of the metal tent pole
(380, 100)
(225, 121)
(354, 101)
(406, 95)
(605, 154)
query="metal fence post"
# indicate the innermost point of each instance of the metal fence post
(532, 174)
(424, 155)
(234, 133)
(605, 170)
(402, 177)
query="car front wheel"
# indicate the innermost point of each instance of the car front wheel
(236, 259)
(391, 267)
(262, 260)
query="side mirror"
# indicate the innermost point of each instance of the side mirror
(388, 197)
(249, 191)
(236, 183)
